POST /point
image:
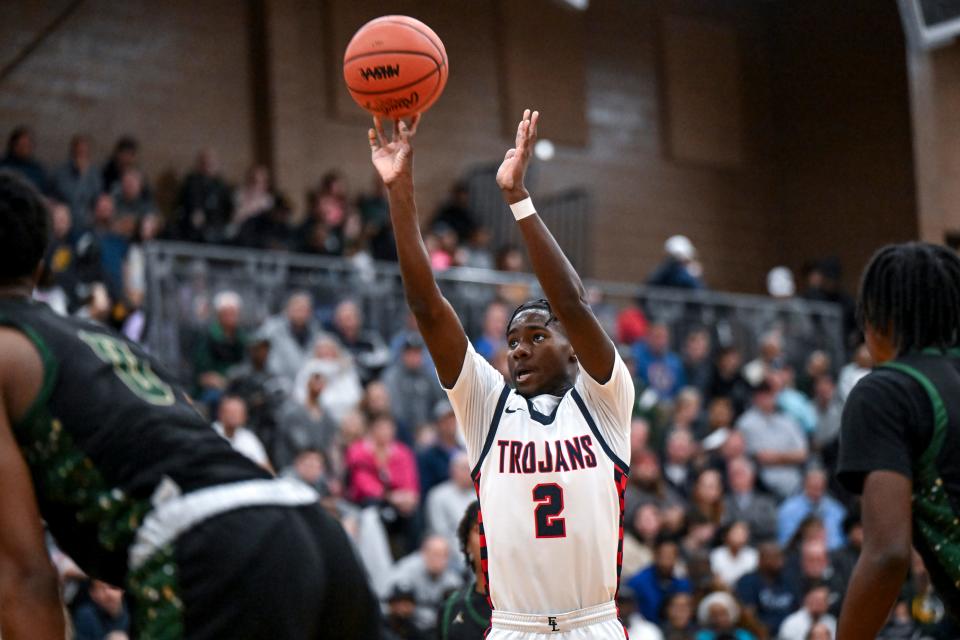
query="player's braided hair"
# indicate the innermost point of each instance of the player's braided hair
(463, 530)
(912, 290)
(23, 227)
(540, 303)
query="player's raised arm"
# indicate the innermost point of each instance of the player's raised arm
(557, 277)
(438, 323)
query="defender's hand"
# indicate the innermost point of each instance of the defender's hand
(394, 159)
(514, 168)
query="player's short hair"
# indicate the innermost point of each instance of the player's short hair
(912, 290)
(465, 527)
(24, 227)
(540, 304)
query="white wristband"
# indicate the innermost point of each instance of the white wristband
(523, 209)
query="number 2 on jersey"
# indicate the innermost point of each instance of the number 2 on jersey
(549, 499)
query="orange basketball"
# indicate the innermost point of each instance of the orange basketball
(395, 66)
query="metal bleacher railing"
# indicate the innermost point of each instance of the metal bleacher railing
(183, 279)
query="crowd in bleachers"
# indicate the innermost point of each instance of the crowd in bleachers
(734, 525)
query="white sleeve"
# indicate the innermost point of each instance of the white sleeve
(474, 398)
(611, 405)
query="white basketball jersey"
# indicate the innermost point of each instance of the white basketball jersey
(551, 484)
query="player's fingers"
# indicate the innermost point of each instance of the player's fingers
(374, 140)
(378, 124)
(510, 153)
(396, 130)
(534, 120)
(414, 123)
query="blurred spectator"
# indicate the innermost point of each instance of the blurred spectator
(455, 214)
(706, 499)
(727, 380)
(643, 527)
(130, 197)
(824, 282)
(377, 226)
(777, 442)
(327, 222)
(114, 245)
(376, 400)
(850, 375)
(815, 569)
(125, 156)
(818, 364)
(658, 367)
(221, 346)
(829, 408)
(677, 616)
(678, 462)
(900, 626)
(687, 411)
(478, 254)
(646, 484)
(269, 229)
(494, 335)
(697, 368)
(719, 423)
(367, 347)
(253, 197)
(734, 558)
(813, 501)
(639, 437)
(231, 425)
(310, 467)
(659, 580)
(434, 461)
(304, 421)
(204, 205)
(414, 389)
(631, 325)
(60, 278)
(718, 615)
(814, 612)
(766, 593)
(746, 504)
(679, 268)
(441, 243)
(401, 619)
(426, 572)
(262, 389)
(20, 159)
(792, 402)
(448, 500)
(637, 627)
(843, 560)
(343, 392)
(510, 259)
(291, 336)
(77, 182)
(466, 613)
(769, 360)
(102, 615)
(149, 228)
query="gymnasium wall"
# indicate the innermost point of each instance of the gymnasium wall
(669, 111)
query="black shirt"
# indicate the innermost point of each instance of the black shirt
(465, 615)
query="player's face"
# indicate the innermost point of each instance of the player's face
(539, 356)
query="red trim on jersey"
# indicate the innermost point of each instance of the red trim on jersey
(483, 552)
(620, 480)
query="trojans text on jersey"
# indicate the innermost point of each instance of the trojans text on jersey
(571, 454)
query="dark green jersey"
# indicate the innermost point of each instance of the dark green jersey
(905, 417)
(106, 427)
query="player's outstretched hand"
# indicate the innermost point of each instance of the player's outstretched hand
(514, 167)
(393, 159)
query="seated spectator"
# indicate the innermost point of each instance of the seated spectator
(377, 226)
(776, 441)
(727, 380)
(697, 368)
(114, 245)
(817, 364)
(269, 229)
(221, 346)
(815, 569)
(646, 484)
(376, 401)
(343, 391)
(813, 501)
(103, 614)
(829, 408)
(734, 558)
(231, 425)
(466, 613)
(254, 197)
(477, 251)
(792, 402)
(766, 593)
(510, 259)
(658, 581)
(310, 467)
(78, 182)
(292, 336)
(679, 268)
(303, 421)
(455, 214)
(434, 461)
(719, 423)
(900, 626)
(494, 335)
(367, 347)
(642, 530)
(658, 367)
(631, 325)
(637, 627)
(400, 622)
(414, 389)
(125, 156)
(815, 611)
(448, 500)
(19, 158)
(853, 371)
(678, 461)
(426, 572)
(743, 502)
(718, 615)
(676, 613)
(149, 228)
(771, 359)
(686, 412)
(130, 196)
(204, 205)
(706, 499)
(639, 437)
(844, 559)
(59, 284)
(262, 389)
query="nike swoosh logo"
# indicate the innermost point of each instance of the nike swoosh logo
(512, 410)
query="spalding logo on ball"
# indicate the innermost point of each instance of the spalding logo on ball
(395, 67)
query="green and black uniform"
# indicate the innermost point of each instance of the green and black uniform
(465, 615)
(905, 417)
(107, 428)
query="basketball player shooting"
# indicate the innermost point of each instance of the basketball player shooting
(550, 450)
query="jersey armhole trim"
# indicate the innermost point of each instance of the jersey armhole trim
(928, 458)
(620, 464)
(48, 363)
(492, 432)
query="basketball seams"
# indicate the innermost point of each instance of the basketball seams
(388, 20)
(400, 88)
